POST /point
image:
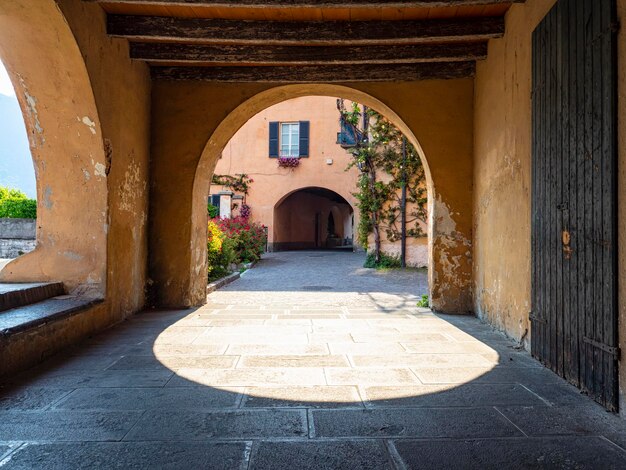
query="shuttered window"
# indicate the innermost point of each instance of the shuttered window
(289, 139)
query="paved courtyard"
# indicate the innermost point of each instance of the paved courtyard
(307, 362)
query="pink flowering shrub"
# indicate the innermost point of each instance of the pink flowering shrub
(248, 238)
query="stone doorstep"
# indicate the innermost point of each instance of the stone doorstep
(28, 317)
(14, 295)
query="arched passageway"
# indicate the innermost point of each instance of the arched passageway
(444, 144)
(312, 218)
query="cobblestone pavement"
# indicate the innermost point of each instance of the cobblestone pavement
(306, 362)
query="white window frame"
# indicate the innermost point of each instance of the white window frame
(291, 144)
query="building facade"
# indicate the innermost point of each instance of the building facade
(308, 206)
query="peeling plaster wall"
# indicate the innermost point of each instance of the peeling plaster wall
(124, 110)
(87, 112)
(502, 145)
(192, 122)
(502, 173)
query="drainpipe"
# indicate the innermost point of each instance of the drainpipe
(403, 206)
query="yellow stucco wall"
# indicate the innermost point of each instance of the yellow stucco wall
(193, 121)
(89, 135)
(502, 172)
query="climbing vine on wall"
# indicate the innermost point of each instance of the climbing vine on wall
(239, 183)
(377, 153)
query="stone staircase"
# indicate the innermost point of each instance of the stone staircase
(29, 305)
(39, 319)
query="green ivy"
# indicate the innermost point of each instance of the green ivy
(239, 183)
(378, 155)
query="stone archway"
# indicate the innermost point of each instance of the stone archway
(53, 88)
(440, 111)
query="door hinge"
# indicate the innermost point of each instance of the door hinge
(613, 350)
(535, 318)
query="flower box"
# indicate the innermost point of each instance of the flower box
(288, 162)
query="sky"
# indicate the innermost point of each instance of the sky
(16, 164)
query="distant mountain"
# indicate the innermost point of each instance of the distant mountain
(16, 163)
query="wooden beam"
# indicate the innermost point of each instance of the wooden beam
(362, 4)
(219, 31)
(306, 55)
(319, 74)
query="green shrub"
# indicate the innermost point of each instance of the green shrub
(386, 261)
(214, 211)
(424, 302)
(15, 205)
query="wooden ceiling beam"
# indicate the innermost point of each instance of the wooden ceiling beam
(319, 74)
(363, 4)
(306, 55)
(220, 31)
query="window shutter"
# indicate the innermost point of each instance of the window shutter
(273, 140)
(304, 138)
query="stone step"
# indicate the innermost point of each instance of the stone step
(26, 317)
(15, 295)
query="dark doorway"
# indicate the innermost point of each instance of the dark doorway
(313, 218)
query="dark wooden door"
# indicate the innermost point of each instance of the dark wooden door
(574, 196)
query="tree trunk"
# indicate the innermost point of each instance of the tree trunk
(374, 215)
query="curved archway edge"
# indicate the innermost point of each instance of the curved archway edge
(436, 116)
(54, 90)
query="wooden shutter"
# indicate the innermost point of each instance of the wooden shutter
(274, 139)
(304, 139)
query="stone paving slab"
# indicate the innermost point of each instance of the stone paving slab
(273, 378)
(413, 422)
(118, 399)
(495, 373)
(370, 376)
(358, 455)
(95, 455)
(249, 377)
(513, 454)
(199, 426)
(107, 378)
(30, 398)
(66, 425)
(470, 395)
(293, 361)
(303, 397)
(174, 362)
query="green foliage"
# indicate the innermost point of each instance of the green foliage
(239, 183)
(214, 211)
(15, 205)
(386, 261)
(379, 152)
(424, 302)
